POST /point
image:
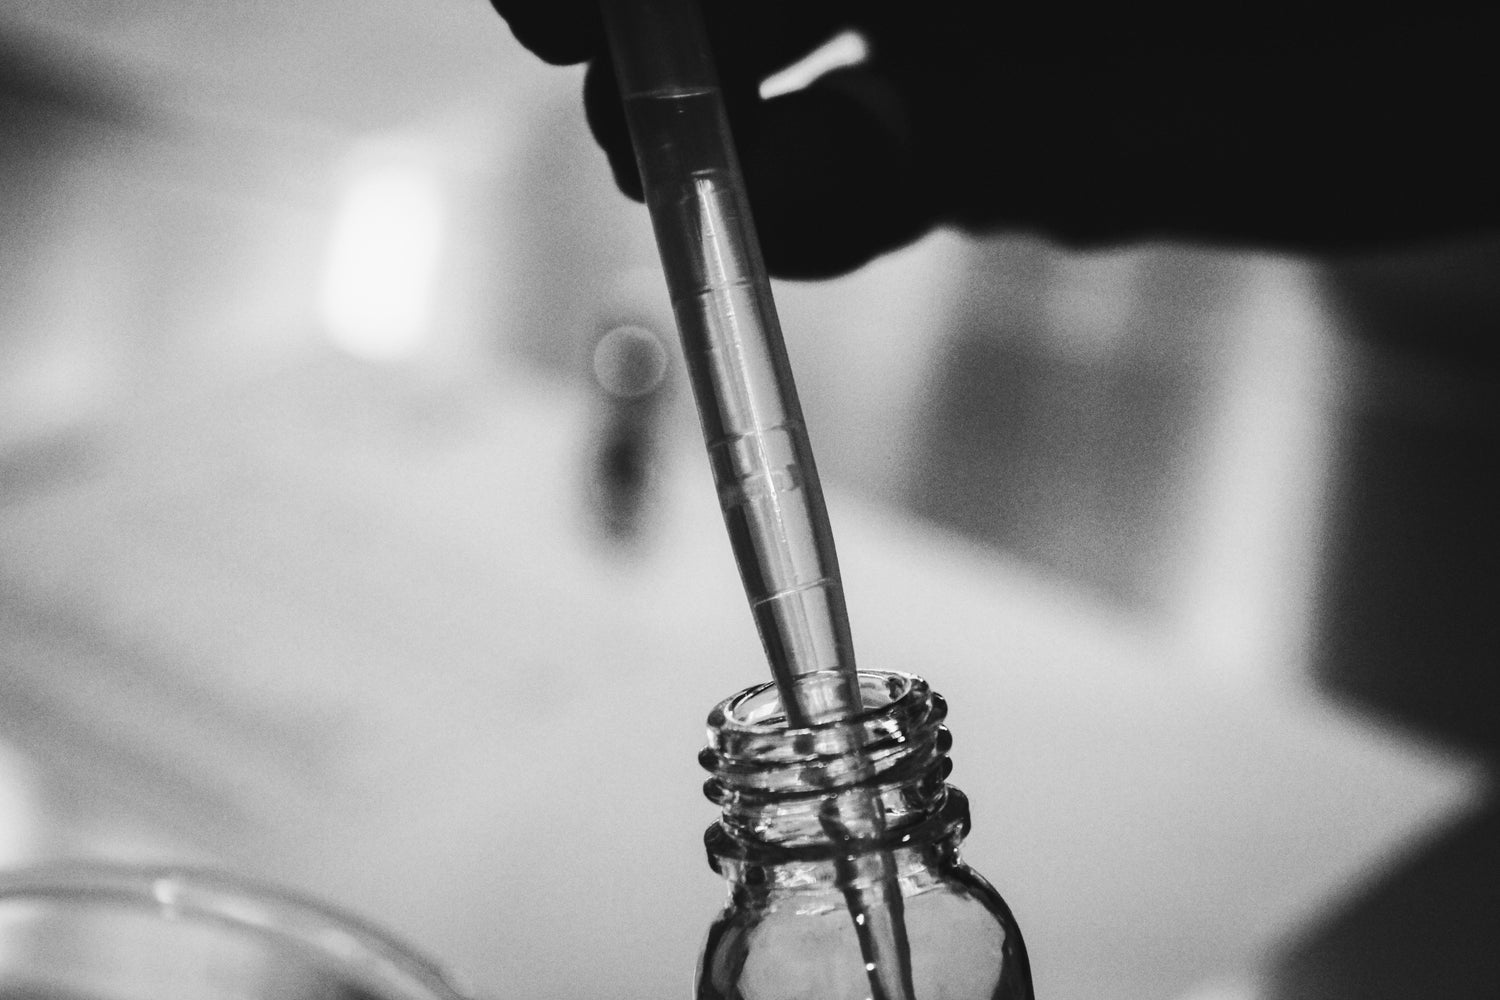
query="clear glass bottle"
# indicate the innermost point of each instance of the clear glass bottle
(796, 924)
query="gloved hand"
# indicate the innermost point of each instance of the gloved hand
(1088, 124)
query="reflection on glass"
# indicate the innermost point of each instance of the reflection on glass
(111, 932)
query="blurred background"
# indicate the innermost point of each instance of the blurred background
(355, 531)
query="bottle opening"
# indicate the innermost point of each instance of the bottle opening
(774, 782)
(748, 733)
(759, 708)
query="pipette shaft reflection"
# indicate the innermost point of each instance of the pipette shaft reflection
(762, 463)
(757, 441)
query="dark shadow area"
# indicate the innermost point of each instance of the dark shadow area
(1408, 625)
(1430, 928)
(1062, 431)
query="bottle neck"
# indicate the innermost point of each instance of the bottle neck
(797, 794)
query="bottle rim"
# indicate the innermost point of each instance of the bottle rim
(775, 783)
(750, 727)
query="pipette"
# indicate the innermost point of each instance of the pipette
(752, 423)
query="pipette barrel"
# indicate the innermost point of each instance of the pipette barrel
(762, 463)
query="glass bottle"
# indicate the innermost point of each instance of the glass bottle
(796, 923)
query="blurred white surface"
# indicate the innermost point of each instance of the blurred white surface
(348, 630)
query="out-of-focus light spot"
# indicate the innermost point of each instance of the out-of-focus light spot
(376, 300)
(629, 361)
(847, 48)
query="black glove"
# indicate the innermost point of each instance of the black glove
(1087, 124)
